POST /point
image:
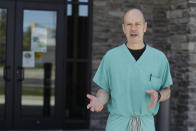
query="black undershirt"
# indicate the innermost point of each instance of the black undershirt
(137, 53)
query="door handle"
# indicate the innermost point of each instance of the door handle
(5, 73)
(20, 73)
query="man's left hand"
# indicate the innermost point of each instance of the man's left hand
(154, 98)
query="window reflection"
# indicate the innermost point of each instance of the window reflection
(78, 32)
(78, 0)
(83, 10)
(39, 43)
(83, 0)
(69, 10)
(3, 25)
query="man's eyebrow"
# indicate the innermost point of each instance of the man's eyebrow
(138, 22)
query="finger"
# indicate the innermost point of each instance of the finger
(149, 91)
(154, 94)
(89, 106)
(89, 96)
(96, 109)
(154, 97)
(150, 106)
(153, 105)
(92, 109)
(101, 107)
(155, 100)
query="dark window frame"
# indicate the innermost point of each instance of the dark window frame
(79, 124)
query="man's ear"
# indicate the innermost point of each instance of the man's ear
(145, 26)
(123, 28)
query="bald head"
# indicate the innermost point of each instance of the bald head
(134, 26)
(132, 13)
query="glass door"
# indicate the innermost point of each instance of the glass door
(38, 58)
(3, 23)
(6, 64)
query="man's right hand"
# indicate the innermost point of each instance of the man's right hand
(95, 104)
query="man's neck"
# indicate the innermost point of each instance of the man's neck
(135, 46)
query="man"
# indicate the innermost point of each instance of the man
(134, 78)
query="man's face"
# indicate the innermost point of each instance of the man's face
(134, 26)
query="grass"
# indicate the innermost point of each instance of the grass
(28, 91)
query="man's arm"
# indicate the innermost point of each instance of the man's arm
(102, 96)
(165, 94)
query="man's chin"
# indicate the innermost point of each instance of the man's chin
(134, 41)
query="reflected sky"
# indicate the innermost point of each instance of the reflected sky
(43, 18)
(48, 18)
(80, 0)
(83, 10)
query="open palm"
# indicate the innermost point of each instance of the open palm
(94, 104)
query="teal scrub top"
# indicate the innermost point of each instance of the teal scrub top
(127, 81)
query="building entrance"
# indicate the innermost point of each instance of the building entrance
(34, 92)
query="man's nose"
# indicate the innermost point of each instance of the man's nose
(133, 27)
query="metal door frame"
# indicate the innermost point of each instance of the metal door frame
(8, 117)
(57, 121)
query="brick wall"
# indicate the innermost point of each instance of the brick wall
(191, 113)
(178, 18)
(182, 23)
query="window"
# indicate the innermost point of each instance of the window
(78, 58)
(3, 42)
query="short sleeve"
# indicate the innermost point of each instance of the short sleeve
(101, 76)
(166, 79)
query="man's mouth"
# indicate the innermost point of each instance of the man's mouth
(134, 35)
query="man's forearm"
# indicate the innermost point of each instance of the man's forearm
(102, 96)
(165, 94)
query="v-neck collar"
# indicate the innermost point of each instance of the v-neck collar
(131, 57)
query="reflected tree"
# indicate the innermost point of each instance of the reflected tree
(3, 22)
(27, 39)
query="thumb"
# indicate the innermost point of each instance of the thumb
(149, 91)
(99, 108)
